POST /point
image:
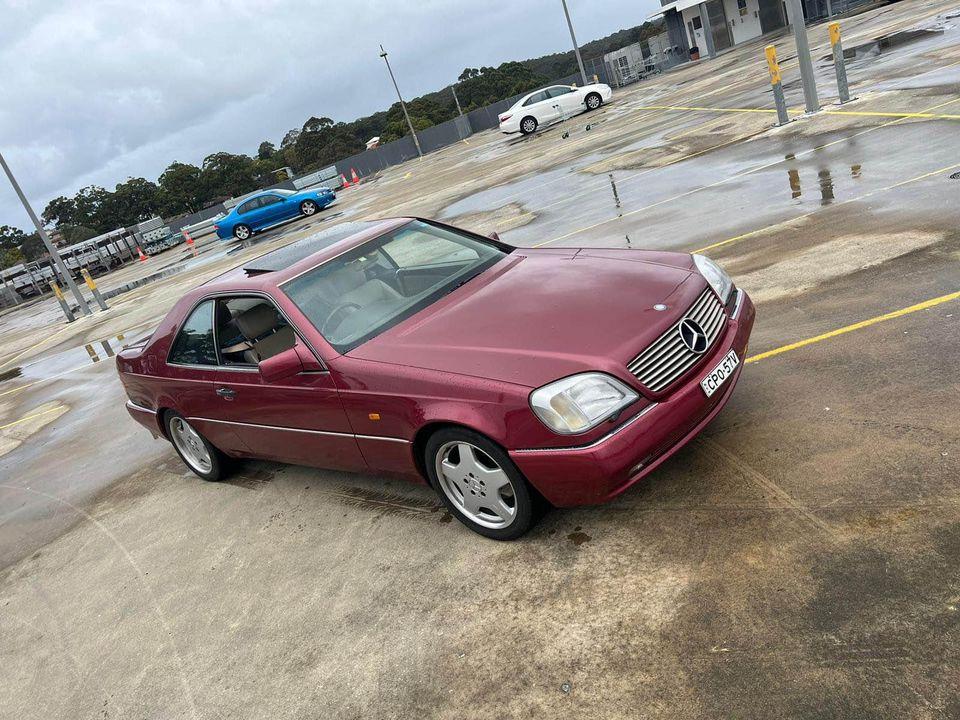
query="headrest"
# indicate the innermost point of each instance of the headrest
(257, 320)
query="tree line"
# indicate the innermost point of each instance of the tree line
(184, 188)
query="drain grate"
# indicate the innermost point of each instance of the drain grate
(955, 176)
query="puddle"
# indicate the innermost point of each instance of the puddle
(887, 42)
(133, 284)
(69, 360)
(824, 181)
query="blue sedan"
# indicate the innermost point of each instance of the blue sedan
(269, 208)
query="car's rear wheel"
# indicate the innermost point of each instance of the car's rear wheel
(528, 125)
(193, 448)
(308, 207)
(479, 483)
(242, 232)
(593, 101)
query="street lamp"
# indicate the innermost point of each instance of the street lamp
(576, 48)
(416, 140)
(81, 300)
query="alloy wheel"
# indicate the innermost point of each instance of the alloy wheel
(476, 485)
(191, 446)
(309, 207)
(242, 232)
(529, 125)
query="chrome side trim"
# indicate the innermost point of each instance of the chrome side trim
(139, 408)
(327, 433)
(737, 305)
(595, 443)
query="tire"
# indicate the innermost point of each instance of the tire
(203, 459)
(528, 125)
(242, 232)
(308, 208)
(593, 101)
(471, 488)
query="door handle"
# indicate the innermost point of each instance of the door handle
(226, 393)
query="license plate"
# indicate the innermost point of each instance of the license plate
(716, 377)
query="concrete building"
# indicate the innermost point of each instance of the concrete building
(706, 28)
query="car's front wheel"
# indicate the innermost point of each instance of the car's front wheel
(593, 101)
(479, 483)
(528, 125)
(308, 207)
(193, 448)
(242, 232)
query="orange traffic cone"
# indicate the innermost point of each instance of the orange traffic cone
(343, 179)
(354, 177)
(143, 258)
(193, 249)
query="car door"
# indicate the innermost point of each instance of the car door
(541, 107)
(297, 418)
(567, 100)
(249, 213)
(191, 369)
(273, 209)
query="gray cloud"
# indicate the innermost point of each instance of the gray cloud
(96, 91)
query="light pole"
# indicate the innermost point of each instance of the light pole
(416, 140)
(453, 89)
(81, 301)
(576, 48)
(795, 14)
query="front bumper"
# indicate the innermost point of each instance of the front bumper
(603, 469)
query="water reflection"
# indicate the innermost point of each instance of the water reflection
(825, 182)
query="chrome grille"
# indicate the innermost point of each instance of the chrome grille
(667, 357)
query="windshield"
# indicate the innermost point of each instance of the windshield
(286, 193)
(359, 294)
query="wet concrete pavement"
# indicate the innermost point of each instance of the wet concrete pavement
(800, 559)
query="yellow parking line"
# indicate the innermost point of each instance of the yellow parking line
(737, 238)
(31, 417)
(865, 113)
(694, 108)
(855, 326)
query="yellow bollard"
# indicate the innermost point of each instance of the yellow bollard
(775, 82)
(63, 302)
(93, 288)
(843, 89)
(772, 64)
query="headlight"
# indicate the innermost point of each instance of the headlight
(580, 402)
(714, 274)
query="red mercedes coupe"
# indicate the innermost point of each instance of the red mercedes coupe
(501, 376)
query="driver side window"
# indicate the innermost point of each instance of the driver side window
(251, 329)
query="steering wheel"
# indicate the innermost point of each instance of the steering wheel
(336, 312)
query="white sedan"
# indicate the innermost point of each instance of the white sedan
(552, 104)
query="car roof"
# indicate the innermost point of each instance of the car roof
(260, 193)
(277, 266)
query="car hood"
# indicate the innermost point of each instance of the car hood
(540, 315)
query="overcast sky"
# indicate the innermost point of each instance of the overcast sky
(93, 92)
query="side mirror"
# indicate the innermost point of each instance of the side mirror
(494, 236)
(282, 365)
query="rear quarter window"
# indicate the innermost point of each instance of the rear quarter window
(194, 344)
